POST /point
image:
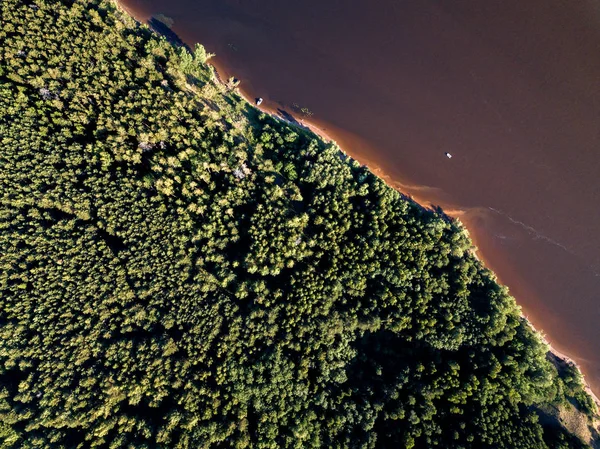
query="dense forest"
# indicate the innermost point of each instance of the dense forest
(180, 270)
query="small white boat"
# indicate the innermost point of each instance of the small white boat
(448, 155)
(259, 101)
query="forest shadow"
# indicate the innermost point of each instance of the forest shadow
(285, 115)
(437, 209)
(162, 29)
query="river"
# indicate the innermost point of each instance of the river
(511, 88)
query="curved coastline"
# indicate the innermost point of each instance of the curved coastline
(409, 191)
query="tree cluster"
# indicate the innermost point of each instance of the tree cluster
(179, 270)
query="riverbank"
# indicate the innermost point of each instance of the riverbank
(568, 360)
(421, 201)
(243, 283)
(455, 214)
(318, 129)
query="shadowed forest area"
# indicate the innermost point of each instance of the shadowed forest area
(180, 270)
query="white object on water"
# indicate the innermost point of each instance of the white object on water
(259, 101)
(448, 155)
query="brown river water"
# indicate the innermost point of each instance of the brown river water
(511, 88)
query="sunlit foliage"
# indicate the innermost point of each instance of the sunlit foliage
(178, 270)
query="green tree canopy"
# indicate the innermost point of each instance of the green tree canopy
(180, 270)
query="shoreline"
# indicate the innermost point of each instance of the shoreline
(566, 359)
(396, 184)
